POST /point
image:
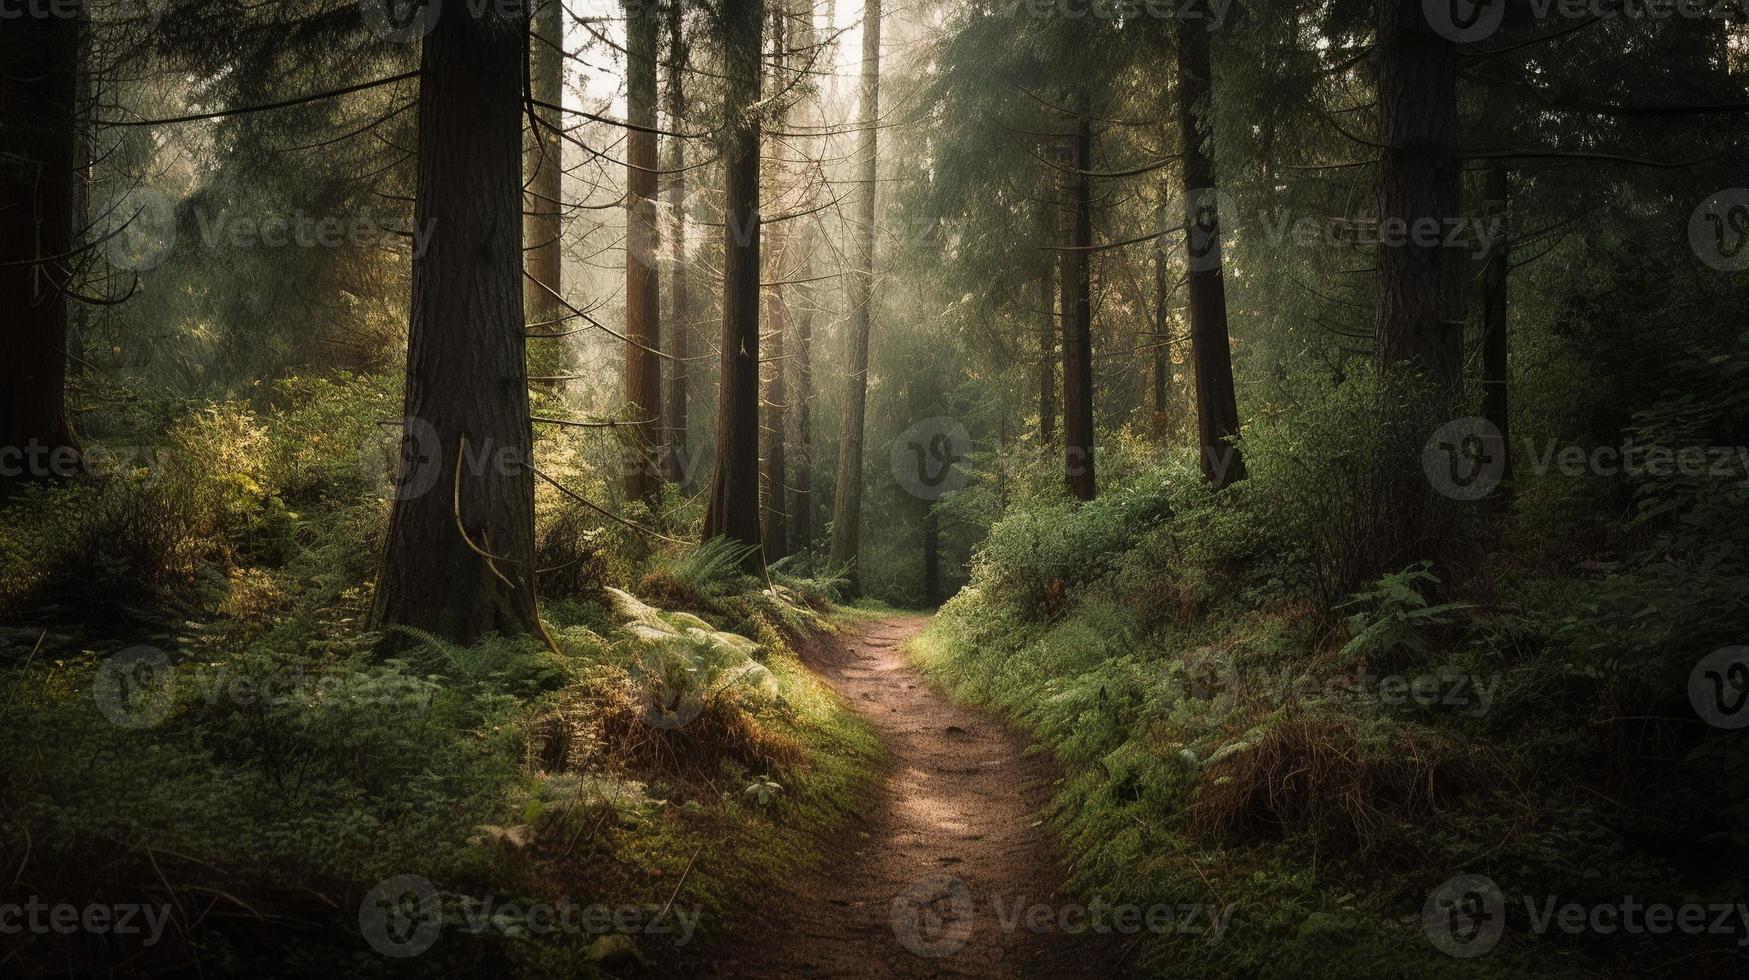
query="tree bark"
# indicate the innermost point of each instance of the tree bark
(802, 534)
(774, 479)
(1494, 321)
(847, 494)
(1420, 312)
(464, 481)
(39, 184)
(1078, 324)
(1162, 332)
(733, 509)
(931, 555)
(676, 462)
(643, 238)
(1047, 336)
(542, 222)
(1217, 410)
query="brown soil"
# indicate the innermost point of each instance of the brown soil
(952, 844)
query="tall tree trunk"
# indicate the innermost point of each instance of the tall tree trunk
(39, 68)
(85, 109)
(1162, 331)
(1420, 313)
(802, 442)
(733, 509)
(1494, 322)
(1217, 408)
(543, 225)
(774, 478)
(1078, 323)
(847, 494)
(676, 464)
(802, 516)
(464, 483)
(643, 237)
(1047, 335)
(931, 554)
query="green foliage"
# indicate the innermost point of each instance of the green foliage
(711, 568)
(1227, 680)
(280, 766)
(1394, 616)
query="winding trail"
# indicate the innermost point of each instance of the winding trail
(939, 879)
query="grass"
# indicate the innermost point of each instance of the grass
(260, 768)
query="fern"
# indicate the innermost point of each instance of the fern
(1393, 614)
(713, 567)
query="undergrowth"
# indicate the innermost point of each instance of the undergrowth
(197, 718)
(1255, 712)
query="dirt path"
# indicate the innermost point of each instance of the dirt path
(952, 847)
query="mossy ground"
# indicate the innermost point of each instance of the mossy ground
(264, 767)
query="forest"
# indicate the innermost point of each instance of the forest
(898, 488)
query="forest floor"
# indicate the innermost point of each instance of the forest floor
(950, 873)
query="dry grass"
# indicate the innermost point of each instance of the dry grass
(1322, 773)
